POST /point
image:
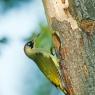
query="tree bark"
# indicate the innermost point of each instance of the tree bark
(74, 23)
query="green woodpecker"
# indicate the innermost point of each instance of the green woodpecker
(46, 62)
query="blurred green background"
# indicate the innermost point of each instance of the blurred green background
(18, 74)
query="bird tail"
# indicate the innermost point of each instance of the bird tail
(64, 90)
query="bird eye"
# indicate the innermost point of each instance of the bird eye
(30, 44)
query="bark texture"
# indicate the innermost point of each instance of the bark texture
(74, 23)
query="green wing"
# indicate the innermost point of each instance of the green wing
(46, 64)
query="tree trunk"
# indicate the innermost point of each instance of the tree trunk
(73, 22)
